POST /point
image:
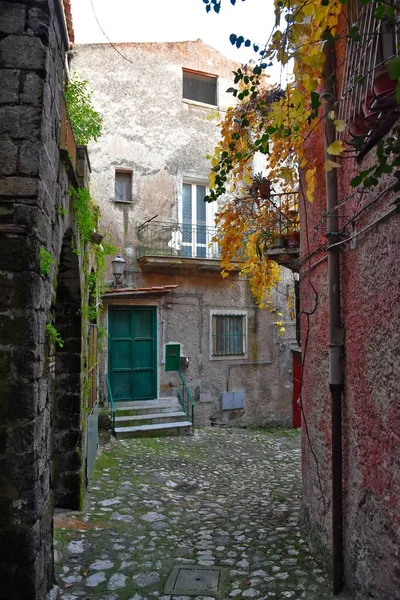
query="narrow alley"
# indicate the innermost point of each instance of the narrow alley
(211, 515)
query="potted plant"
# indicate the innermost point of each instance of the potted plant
(384, 87)
(262, 185)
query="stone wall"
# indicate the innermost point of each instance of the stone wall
(33, 185)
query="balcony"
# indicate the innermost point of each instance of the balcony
(281, 240)
(169, 245)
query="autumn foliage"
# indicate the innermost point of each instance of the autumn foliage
(276, 123)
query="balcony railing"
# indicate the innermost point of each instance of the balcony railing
(181, 240)
(367, 103)
(281, 239)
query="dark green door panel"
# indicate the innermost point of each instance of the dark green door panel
(133, 353)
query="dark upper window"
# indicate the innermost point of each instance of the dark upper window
(123, 186)
(200, 87)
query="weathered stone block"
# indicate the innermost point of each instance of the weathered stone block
(28, 161)
(22, 439)
(20, 121)
(21, 290)
(18, 186)
(22, 52)
(12, 17)
(39, 23)
(32, 92)
(18, 253)
(22, 542)
(15, 330)
(29, 217)
(9, 89)
(8, 156)
(6, 213)
(17, 401)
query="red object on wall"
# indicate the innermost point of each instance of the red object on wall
(296, 389)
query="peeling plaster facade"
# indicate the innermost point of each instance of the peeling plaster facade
(163, 140)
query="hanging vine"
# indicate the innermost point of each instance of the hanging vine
(276, 123)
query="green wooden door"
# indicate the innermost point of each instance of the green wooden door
(133, 353)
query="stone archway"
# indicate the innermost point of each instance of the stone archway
(67, 450)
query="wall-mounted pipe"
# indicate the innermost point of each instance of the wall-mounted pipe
(335, 334)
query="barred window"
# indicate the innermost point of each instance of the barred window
(228, 334)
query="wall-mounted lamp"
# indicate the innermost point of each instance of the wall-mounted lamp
(118, 267)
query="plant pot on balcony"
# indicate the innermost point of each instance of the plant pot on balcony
(359, 126)
(280, 240)
(264, 190)
(293, 239)
(96, 238)
(384, 89)
(371, 113)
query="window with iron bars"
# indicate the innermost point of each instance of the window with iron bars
(367, 100)
(228, 334)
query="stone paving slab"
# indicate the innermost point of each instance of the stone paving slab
(222, 498)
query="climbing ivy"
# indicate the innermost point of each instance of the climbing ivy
(93, 263)
(86, 122)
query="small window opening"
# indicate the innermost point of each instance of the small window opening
(123, 186)
(200, 87)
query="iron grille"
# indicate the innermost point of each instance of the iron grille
(178, 239)
(228, 335)
(367, 99)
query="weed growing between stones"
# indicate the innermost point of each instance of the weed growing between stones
(45, 261)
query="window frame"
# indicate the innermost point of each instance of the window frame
(200, 74)
(211, 248)
(229, 313)
(122, 171)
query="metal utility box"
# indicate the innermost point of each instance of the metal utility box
(232, 400)
(172, 357)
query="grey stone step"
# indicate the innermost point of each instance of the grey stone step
(135, 419)
(154, 430)
(147, 406)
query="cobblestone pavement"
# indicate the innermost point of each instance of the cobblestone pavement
(222, 498)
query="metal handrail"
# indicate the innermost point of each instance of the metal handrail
(186, 399)
(184, 240)
(111, 402)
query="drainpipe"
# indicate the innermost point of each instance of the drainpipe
(335, 336)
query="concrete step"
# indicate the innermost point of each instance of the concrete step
(146, 419)
(157, 429)
(159, 405)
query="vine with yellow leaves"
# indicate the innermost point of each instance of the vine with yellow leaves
(275, 123)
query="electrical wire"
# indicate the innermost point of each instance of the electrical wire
(352, 237)
(106, 36)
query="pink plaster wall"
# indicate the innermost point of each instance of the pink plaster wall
(371, 401)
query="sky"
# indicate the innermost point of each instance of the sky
(175, 20)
